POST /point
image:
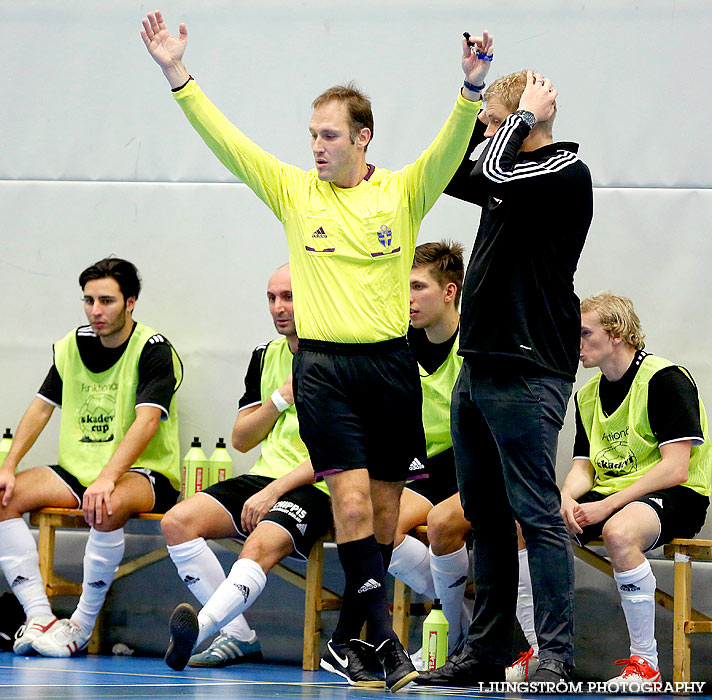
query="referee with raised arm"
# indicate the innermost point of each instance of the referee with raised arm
(351, 230)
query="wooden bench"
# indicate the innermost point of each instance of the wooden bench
(48, 520)
(317, 598)
(686, 620)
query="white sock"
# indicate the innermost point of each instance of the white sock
(637, 591)
(102, 556)
(525, 602)
(20, 563)
(410, 563)
(198, 566)
(235, 594)
(449, 573)
(239, 628)
(201, 571)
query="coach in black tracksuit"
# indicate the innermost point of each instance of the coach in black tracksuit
(520, 340)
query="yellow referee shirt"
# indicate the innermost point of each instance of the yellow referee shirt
(350, 249)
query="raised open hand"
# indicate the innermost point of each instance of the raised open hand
(474, 63)
(165, 49)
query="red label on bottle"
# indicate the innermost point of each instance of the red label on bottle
(198, 479)
(221, 475)
(432, 650)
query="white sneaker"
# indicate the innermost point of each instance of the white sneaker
(523, 668)
(417, 660)
(63, 640)
(33, 629)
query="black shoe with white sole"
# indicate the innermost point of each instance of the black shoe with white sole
(355, 661)
(397, 666)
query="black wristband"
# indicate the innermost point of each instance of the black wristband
(180, 87)
(474, 88)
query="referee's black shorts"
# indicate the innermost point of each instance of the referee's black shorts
(359, 406)
(442, 481)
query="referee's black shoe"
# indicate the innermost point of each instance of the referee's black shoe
(355, 661)
(397, 666)
(184, 633)
(462, 669)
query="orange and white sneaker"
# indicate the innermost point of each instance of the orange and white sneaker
(638, 676)
(33, 629)
(523, 668)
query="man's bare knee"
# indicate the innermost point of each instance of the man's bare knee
(177, 528)
(623, 548)
(267, 545)
(109, 523)
(353, 507)
(446, 531)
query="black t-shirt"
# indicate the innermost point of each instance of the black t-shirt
(253, 379)
(156, 379)
(429, 356)
(673, 405)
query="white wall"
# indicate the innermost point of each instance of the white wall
(97, 159)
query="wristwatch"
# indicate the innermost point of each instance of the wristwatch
(528, 118)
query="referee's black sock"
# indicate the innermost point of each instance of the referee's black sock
(364, 592)
(386, 554)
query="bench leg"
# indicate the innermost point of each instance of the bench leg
(401, 611)
(681, 612)
(312, 608)
(95, 640)
(45, 549)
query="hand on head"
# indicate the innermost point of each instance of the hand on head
(539, 97)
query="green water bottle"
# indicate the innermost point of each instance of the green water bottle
(435, 629)
(5, 445)
(195, 470)
(220, 463)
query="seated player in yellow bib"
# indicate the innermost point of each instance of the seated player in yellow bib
(115, 381)
(641, 468)
(276, 508)
(441, 570)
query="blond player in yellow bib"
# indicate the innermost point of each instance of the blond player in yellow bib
(641, 468)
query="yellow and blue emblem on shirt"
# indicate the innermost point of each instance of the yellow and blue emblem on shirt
(385, 238)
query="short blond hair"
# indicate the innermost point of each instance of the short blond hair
(617, 316)
(508, 90)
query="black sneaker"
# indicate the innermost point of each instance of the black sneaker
(551, 672)
(184, 633)
(355, 661)
(397, 665)
(462, 669)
